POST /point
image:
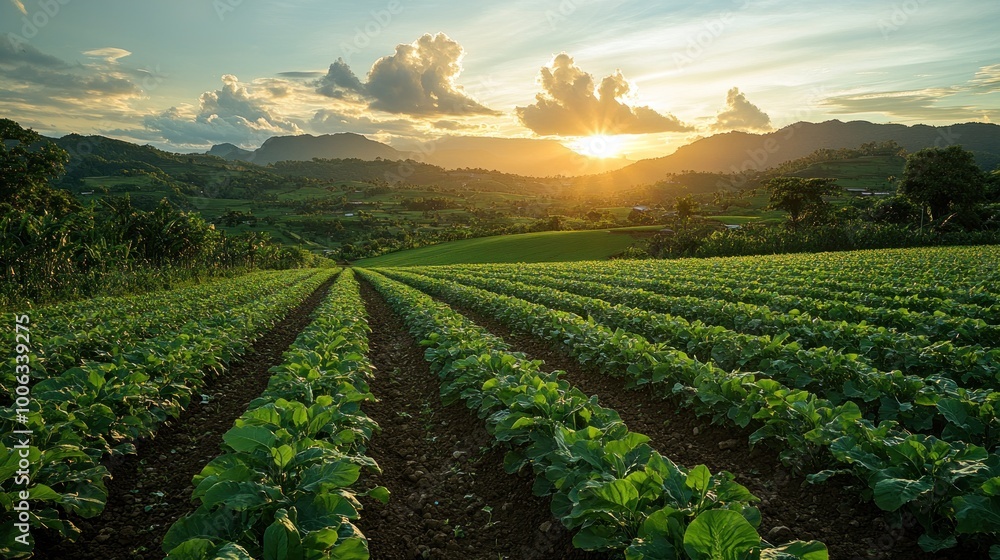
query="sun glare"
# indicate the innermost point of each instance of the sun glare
(599, 146)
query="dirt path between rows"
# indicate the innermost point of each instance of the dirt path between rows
(158, 476)
(451, 499)
(791, 508)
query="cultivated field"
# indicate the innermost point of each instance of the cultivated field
(802, 406)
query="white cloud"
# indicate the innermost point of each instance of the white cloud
(571, 105)
(419, 78)
(231, 114)
(740, 114)
(111, 55)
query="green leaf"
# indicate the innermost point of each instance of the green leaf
(204, 549)
(41, 492)
(992, 486)
(338, 474)
(932, 544)
(597, 537)
(282, 455)
(380, 493)
(351, 549)
(804, 550)
(698, 479)
(281, 539)
(720, 535)
(247, 439)
(236, 495)
(892, 493)
(523, 422)
(977, 514)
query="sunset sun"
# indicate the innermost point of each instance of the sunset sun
(598, 146)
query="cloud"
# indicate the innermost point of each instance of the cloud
(308, 74)
(987, 79)
(912, 104)
(36, 76)
(570, 105)
(740, 114)
(111, 55)
(231, 114)
(419, 78)
(13, 52)
(339, 81)
(329, 120)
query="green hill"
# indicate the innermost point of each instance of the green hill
(548, 246)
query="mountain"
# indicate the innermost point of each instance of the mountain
(740, 151)
(519, 156)
(230, 151)
(304, 147)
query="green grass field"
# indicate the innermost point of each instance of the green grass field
(545, 246)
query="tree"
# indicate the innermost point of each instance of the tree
(800, 197)
(941, 179)
(686, 207)
(25, 173)
(993, 186)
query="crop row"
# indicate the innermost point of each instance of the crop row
(950, 487)
(960, 275)
(886, 349)
(919, 403)
(93, 329)
(936, 326)
(605, 482)
(99, 408)
(283, 487)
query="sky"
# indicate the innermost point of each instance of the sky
(620, 78)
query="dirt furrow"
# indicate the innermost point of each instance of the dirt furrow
(791, 507)
(451, 498)
(152, 489)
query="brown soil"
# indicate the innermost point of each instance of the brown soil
(791, 507)
(181, 448)
(439, 464)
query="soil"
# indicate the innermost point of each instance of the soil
(791, 508)
(451, 498)
(158, 476)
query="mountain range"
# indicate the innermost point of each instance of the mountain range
(519, 156)
(720, 153)
(733, 152)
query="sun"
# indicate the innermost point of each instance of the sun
(598, 146)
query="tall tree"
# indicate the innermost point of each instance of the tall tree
(25, 172)
(941, 179)
(800, 197)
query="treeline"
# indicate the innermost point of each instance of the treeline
(943, 198)
(53, 248)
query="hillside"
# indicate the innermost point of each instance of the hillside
(345, 145)
(734, 152)
(519, 156)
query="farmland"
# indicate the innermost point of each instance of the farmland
(800, 406)
(545, 246)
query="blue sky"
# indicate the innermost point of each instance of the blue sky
(186, 74)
